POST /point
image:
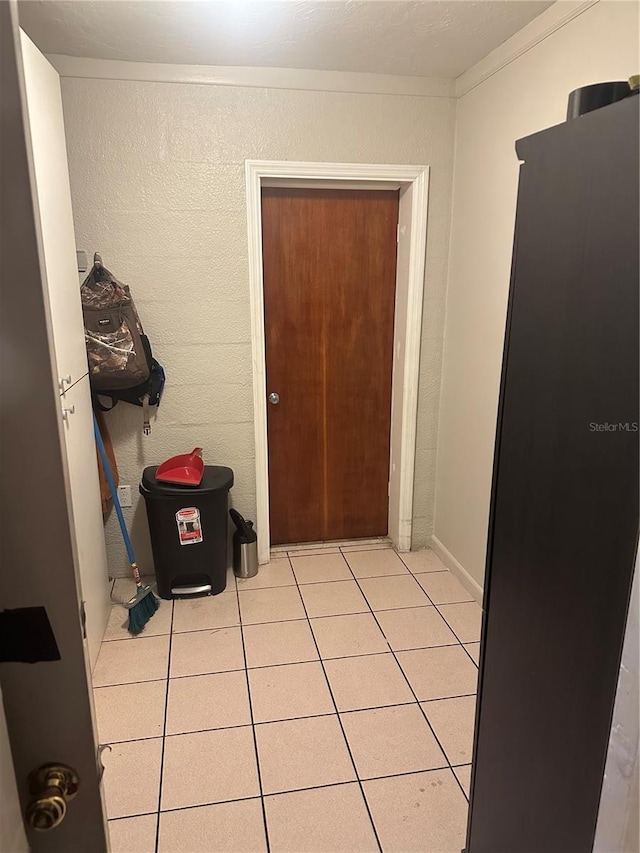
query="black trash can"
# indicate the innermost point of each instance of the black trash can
(188, 528)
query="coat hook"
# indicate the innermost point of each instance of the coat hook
(97, 260)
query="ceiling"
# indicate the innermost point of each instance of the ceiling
(432, 38)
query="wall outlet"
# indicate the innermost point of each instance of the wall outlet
(124, 495)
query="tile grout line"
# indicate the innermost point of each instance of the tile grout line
(291, 719)
(431, 601)
(253, 725)
(404, 562)
(442, 616)
(437, 739)
(274, 665)
(471, 601)
(475, 662)
(458, 641)
(164, 733)
(335, 705)
(458, 766)
(295, 619)
(283, 793)
(272, 621)
(409, 573)
(285, 555)
(308, 620)
(245, 588)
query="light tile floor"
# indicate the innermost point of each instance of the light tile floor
(325, 705)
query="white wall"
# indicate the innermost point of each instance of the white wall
(157, 179)
(618, 826)
(527, 95)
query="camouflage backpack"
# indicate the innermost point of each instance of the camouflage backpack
(121, 364)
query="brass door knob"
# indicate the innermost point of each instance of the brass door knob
(51, 787)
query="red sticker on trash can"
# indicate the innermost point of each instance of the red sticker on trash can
(189, 526)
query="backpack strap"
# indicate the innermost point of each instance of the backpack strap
(146, 423)
(100, 405)
(146, 394)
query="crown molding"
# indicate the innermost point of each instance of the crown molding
(551, 20)
(268, 78)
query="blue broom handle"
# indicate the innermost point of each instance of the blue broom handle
(113, 490)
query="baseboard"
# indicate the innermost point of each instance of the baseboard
(456, 568)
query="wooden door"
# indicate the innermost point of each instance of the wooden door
(48, 702)
(329, 287)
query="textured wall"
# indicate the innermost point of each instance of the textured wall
(157, 179)
(525, 96)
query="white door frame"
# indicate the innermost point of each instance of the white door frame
(413, 183)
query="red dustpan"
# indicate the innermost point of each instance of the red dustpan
(185, 470)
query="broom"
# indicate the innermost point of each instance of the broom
(144, 603)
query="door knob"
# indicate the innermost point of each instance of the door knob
(51, 787)
(274, 398)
